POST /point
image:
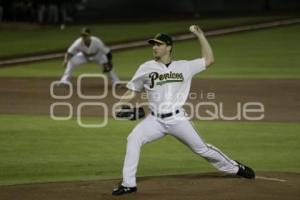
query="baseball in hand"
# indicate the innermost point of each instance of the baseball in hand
(192, 28)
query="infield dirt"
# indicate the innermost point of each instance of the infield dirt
(280, 98)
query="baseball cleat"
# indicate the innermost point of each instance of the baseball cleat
(245, 171)
(63, 84)
(119, 86)
(123, 190)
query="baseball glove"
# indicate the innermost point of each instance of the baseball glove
(131, 113)
(107, 67)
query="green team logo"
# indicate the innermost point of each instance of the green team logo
(165, 78)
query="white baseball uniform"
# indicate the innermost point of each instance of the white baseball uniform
(167, 88)
(95, 52)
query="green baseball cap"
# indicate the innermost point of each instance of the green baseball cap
(161, 38)
(85, 31)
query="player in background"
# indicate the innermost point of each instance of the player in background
(86, 49)
(163, 79)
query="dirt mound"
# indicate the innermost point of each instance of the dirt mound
(180, 187)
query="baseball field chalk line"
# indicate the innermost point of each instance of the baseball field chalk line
(270, 179)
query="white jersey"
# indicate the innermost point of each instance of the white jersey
(96, 47)
(167, 87)
(81, 54)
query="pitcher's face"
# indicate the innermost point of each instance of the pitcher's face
(160, 50)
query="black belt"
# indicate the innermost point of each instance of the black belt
(164, 115)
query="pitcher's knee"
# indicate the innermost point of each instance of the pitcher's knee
(202, 150)
(132, 138)
(136, 139)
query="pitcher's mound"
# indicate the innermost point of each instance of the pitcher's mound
(182, 187)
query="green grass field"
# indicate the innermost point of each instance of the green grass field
(33, 39)
(270, 53)
(38, 149)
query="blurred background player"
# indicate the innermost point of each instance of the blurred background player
(86, 49)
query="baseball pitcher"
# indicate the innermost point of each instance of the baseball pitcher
(167, 83)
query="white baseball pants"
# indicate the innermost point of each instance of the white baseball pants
(80, 59)
(153, 128)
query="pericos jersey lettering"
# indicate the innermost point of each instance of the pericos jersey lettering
(165, 78)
